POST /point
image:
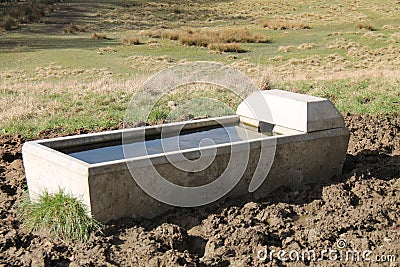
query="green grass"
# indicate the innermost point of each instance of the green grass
(372, 96)
(197, 99)
(91, 111)
(58, 214)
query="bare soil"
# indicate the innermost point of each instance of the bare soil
(362, 208)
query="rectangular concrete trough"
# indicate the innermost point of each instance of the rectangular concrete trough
(282, 139)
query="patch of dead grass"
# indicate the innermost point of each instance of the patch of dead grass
(108, 49)
(226, 47)
(286, 48)
(226, 40)
(279, 24)
(149, 64)
(99, 36)
(365, 26)
(74, 28)
(130, 41)
(58, 71)
(390, 27)
(306, 46)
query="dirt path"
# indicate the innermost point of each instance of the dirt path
(362, 208)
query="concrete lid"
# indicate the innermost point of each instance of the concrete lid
(295, 111)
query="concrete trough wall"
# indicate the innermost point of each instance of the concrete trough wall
(305, 153)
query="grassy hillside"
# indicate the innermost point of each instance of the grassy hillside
(81, 65)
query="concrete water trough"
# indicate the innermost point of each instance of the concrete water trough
(277, 138)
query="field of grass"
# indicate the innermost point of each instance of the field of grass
(81, 65)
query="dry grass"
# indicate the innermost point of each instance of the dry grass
(22, 12)
(171, 34)
(151, 64)
(24, 105)
(265, 82)
(104, 50)
(231, 36)
(277, 59)
(25, 99)
(203, 37)
(277, 76)
(22, 99)
(197, 39)
(73, 28)
(287, 48)
(99, 36)
(356, 57)
(130, 41)
(365, 26)
(226, 47)
(152, 33)
(278, 24)
(342, 43)
(335, 34)
(373, 36)
(223, 40)
(306, 46)
(390, 27)
(58, 71)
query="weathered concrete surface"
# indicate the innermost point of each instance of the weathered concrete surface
(295, 111)
(111, 192)
(49, 170)
(299, 160)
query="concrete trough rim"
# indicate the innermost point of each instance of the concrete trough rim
(161, 158)
(50, 148)
(117, 134)
(39, 150)
(79, 166)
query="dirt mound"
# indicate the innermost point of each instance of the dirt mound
(360, 212)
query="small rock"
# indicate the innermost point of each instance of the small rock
(186, 117)
(172, 104)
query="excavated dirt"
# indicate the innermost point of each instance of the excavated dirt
(361, 209)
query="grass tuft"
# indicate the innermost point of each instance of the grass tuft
(130, 41)
(265, 83)
(73, 28)
(223, 40)
(277, 24)
(59, 214)
(99, 36)
(206, 37)
(365, 26)
(170, 34)
(157, 115)
(226, 47)
(152, 33)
